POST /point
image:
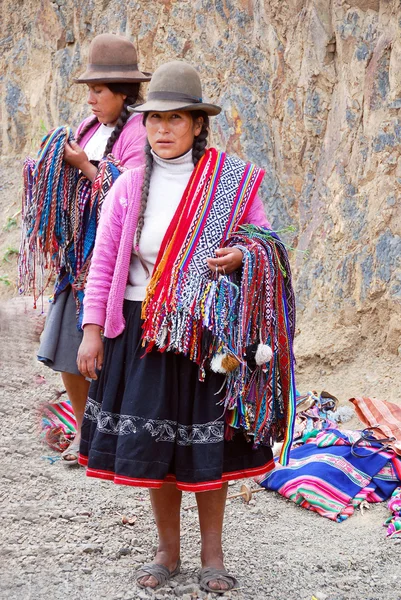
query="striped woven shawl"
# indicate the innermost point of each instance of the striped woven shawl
(188, 309)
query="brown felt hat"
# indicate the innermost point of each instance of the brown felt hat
(175, 86)
(112, 59)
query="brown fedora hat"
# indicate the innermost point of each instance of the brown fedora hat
(112, 59)
(175, 86)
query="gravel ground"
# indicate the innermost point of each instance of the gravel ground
(61, 534)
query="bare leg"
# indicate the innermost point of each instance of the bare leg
(77, 388)
(211, 507)
(166, 503)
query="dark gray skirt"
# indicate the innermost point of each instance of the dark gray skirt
(61, 339)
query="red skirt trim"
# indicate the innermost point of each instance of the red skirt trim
(204, 486)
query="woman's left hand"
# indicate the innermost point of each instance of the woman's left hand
(75, 156)
(227, 260)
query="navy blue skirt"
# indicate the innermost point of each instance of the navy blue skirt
(149, 420)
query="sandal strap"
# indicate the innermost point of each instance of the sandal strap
(73, 449)
(209, 574)
(160, 572)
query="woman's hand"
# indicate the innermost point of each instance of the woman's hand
(90, 352)
(228, 260)
(75, 156)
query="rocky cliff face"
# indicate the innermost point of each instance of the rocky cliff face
(310, 90)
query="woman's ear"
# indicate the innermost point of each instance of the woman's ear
(198, 126)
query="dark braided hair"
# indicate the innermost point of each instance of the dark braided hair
(85, 129)
(200, 142)
(198, 150)
(132, 91)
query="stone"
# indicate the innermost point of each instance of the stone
(123, 552)
(183, 590)
(68, 514)
(79, 519)
(91, 548)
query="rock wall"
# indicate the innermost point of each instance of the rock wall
(310, 90)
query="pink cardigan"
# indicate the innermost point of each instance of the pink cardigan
(130, 144)
(108, 274)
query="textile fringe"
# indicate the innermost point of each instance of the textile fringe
(263, 401)
(49, 187)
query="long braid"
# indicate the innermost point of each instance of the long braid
(200, 142)
(132, 91)
(122, 119)
(87, 127)
(144, 201)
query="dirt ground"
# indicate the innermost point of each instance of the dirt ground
(61, 533)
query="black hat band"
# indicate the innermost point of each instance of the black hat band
(179, 97)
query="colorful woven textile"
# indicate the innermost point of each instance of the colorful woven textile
(262, 401)
(49, 189)
(188, 309)
(85, 216)
(58, 424)
(383, 415)
(60, 213)
(212, 205)
(393, 523)
(324, 476)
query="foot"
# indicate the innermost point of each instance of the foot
(215, 565)
(164, 567)
(70, 455)
(215, 580)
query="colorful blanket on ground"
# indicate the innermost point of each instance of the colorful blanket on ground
(383, 416)
(324, 476)
(58, 424)
(393, 523)
(189, 309)
(60, 213)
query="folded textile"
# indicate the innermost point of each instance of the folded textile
(383, 415)
(58, 424)
(313, 414)
(325, 476)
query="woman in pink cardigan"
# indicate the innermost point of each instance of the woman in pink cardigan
(113, 81)
(154, 415)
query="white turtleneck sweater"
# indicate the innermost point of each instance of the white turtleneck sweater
(167, 184)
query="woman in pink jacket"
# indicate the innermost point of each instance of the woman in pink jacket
(154, 415)
(113, 81)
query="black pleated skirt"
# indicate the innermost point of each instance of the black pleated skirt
(149, 420)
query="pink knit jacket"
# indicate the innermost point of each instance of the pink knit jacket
(129, 148)
(108, 275)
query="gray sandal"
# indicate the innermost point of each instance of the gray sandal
(159, 572)
(209, 574)
(72, 450)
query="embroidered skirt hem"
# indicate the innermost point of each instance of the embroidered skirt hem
(204, 486)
